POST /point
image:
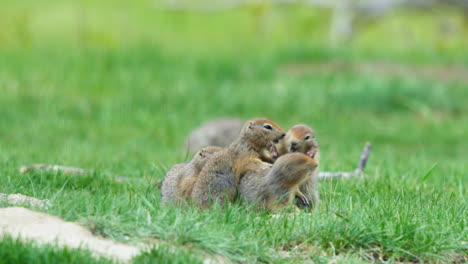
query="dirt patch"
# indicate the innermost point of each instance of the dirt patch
(43, 228)
(447, 73)
(19, 199)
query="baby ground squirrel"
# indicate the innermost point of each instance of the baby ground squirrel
(219, 178)
(301, 138)
(274, 187)
(179, 180)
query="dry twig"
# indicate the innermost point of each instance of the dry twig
(56, 168)
(348, 174)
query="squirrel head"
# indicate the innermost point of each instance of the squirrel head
(301, 138)
(261, 134)
(202, 156)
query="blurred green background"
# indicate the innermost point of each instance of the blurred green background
(433, 31)
(123, 78)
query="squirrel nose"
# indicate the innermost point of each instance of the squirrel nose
(293, 144)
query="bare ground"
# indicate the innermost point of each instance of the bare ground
(29, 225)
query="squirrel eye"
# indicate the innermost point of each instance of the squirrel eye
(307, 138)
(267, 127)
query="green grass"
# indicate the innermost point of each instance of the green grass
(119, 99)
(15, 251)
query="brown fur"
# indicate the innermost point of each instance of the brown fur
(274, 187)
(219, 178)
(180, 179)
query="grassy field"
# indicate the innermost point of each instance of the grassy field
(115, 88)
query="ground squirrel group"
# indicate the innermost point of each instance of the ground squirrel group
(263, 166)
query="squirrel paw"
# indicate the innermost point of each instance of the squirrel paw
(302, 202)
